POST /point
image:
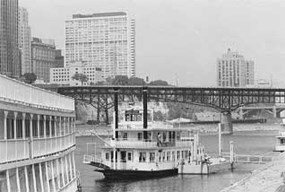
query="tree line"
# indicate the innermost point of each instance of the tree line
(124, 80)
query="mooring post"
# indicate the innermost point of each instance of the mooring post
(232, 154)
(145, 113)
(116, 103)
(220, 139)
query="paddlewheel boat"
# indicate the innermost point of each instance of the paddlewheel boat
(135, 152)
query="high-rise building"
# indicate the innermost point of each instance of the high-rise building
(9, 47)
(105, 40)
(43, 58)
(234, 71)
(25, 41)
(59, 59)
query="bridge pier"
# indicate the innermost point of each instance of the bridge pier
(226, 122)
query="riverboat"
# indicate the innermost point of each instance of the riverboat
(136, 151)
(37, 139)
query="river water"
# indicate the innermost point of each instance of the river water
(245, 142)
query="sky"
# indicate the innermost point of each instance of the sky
(181, 40)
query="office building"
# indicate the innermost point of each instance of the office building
(105, 40)
(63, 76)
(43, 58)
(9, 47)
(233, 70)
(25, 41)
(59, 58)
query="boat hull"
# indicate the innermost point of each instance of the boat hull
(136, 174)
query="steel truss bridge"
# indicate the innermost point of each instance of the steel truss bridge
(222, 99)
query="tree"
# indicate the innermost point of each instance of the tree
(136, 81)
(80, 77)
(99, 83)
(120, 80)
(158, 83)
(29, 78)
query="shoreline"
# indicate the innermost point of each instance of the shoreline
(253, 129)
(267, 178)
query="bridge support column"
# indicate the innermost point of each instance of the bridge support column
(226, 123)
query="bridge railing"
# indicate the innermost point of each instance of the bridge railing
(18, 92)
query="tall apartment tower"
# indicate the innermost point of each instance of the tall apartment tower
(25, 41)
(9, 47)
(234, 71)
(105, 40)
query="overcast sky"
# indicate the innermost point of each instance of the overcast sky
(183, 38)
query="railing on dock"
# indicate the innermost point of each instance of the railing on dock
(254, 159)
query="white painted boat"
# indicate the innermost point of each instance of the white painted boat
(136, 152)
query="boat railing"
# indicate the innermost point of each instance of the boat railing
(145, 143)
(21, 149)
(134, 143)
(129, 125)
(282, 133)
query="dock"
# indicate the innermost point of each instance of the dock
(268, 178)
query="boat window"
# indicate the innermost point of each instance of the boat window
(151, 156)
(173, 156)
(129, 156)
(107, 156)
(178, 155)
(182, 154)
(164, 136)
(125, 136)
(168, 156)
(139, 136)
(159, 157)
(123, 156)
(186, 154)
(142, 157)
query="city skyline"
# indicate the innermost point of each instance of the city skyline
(183, 38)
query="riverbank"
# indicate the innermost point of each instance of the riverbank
(268, 178)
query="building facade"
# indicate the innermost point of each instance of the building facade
(59, 58)
(234, 71)
(9, 46)
(37, 139)
(105, 40)
(25, 41)
(64, 75)
(43, 58)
